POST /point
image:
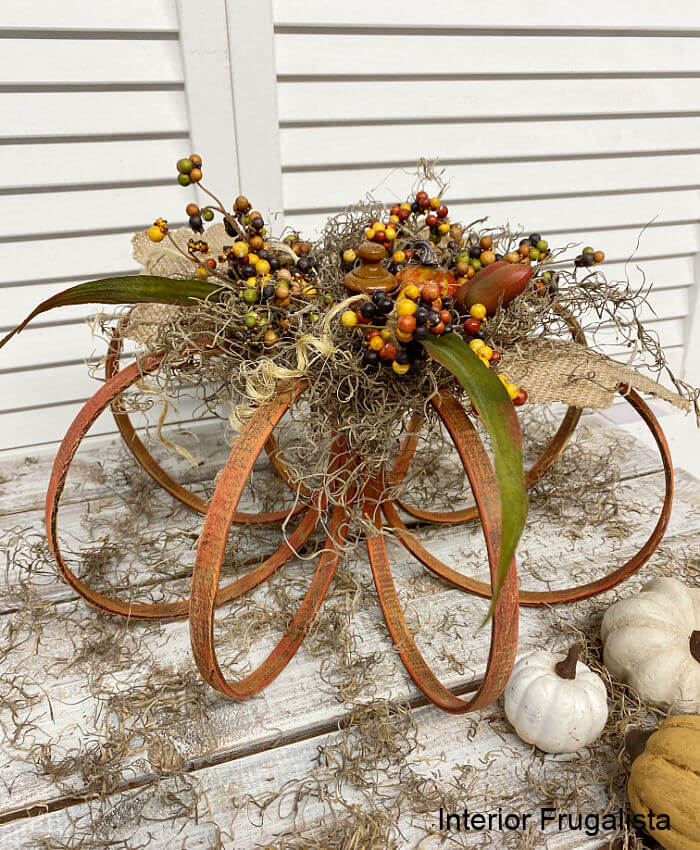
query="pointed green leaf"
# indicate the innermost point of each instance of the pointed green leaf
(135, 289)
(498, 415)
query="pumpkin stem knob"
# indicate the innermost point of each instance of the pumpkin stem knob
(636, 740)
(566, 669)
(695, 645)
(371, 275)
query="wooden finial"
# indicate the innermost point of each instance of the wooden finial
(371, 276)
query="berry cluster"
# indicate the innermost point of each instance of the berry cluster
(189, 169)
(589, 257)
(158, 230)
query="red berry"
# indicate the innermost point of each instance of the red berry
(403, 214)
(437, 329)
(395, 209)
(389, 351)
(520, 398)
(472, 326)
(380, 236)
(431, 220)
(421, 197)
(445, 316)
(495, 357)
(441, 212)
(210, 262)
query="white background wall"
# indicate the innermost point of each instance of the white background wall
(578, 120)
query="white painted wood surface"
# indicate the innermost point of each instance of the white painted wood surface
(257, 746)
(580, 123)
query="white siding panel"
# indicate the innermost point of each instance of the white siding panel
(316, 147)
(327, 54)
(88, 163)
(425, 100)
(89, 61)
(504, 15)
(93, 119)
(550, 177)
(106, 15)
(38, 114)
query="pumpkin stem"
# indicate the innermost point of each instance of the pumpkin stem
(695, 645)
(636, 740)
(566, 669)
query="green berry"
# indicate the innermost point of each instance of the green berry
(183, 179)
(250, 295)
(588, 250)
(542, 245)
(184, 166)
(314, 317)
(476, 263)
(208, 215)
(463, 257)
(534, 254)
(547, 275)
(251, 320)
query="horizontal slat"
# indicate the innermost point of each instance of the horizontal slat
(596, 14)
(330, 54)
(118, 15)
(320, 146)
(28, 115)
(71, 259)
(101, 209)
(505, 180)
(30, 61)
(670, 332)
(331, 102)
(47, 346)
(85, 163)
(663, 273)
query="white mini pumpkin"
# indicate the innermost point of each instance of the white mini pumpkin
(652, 642)
(555, 702)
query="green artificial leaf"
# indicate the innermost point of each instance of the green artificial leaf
(496, 410)
(135, 289)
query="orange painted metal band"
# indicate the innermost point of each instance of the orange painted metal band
(504, 625)
(569, 594)
(99, 402)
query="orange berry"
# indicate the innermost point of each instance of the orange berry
(485, 242)
(487, 257)
(406, 324)
(430, 292)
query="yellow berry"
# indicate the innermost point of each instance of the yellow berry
(377, 225)
(399, 257)
(411, 291)
(309, 291)
(155, 234)
(406, 206)
(369, 233)
(240, 249)
(444, 227)
(476, 345)
(376, 343)
(406, 307)
(349, 318)
(434, 203)
(385, 333)
(478, 311)
(400, 368)
(390, 234)
(394, 219)
(485, 361)
(262, 267)
(503, 379)
(201, 272)
(512, 390)
(349, 256)
(486, 352)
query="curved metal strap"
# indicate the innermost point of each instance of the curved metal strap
(569, 594)
(147, 611)
(504, 625)
(149, 464)
(210, 554)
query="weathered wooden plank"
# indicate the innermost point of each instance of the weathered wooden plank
(293, 706)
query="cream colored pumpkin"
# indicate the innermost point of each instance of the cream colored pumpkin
(665, 779)
(652, 642)
(555, 702)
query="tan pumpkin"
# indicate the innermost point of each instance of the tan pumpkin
(665, 778)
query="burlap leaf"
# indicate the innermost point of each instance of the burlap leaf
(558, 370)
